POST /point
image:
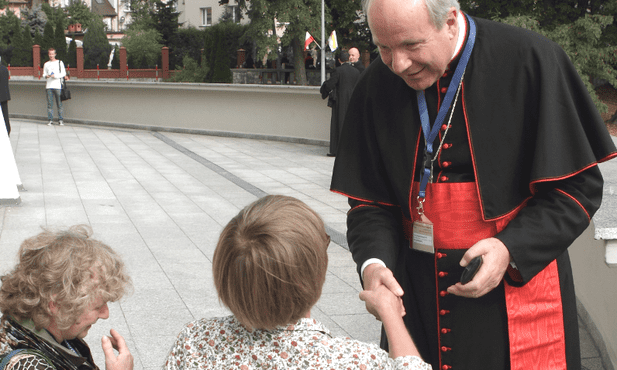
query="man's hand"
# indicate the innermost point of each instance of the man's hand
(382, 303)
(496, 259)
(376, 276)
(124, 360)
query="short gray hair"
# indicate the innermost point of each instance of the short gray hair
(437, 9)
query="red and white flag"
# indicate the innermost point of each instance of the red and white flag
(308, 40)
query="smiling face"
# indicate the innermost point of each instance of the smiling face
(409, 44)
(354, 55)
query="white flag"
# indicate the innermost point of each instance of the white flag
(332, 42)
(307, 40)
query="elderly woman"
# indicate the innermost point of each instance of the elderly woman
(269, 268)
(59, 288)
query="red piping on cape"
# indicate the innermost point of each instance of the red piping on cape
(608, 157)
(413, 171)
(362, 200)
(532, 184)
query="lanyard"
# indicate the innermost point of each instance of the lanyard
(431, 133)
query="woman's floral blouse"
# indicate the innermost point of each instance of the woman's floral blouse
(223, 343)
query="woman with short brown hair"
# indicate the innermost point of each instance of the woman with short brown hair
(269, 267)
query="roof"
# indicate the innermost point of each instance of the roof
(103, 8)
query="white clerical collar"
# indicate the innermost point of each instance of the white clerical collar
(462, 32)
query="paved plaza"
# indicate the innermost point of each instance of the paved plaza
(160, 200)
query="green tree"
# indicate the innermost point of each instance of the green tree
(53, 14)
(96, 46)
(143, 47)
(22, 47)
(71, 55)
(59, 42)
(79, 12)
(48, 37)
(217, 57)
(298, 18)
(142, 14)
(166, 21)
(351, 28)
(38, 38)
(8, 24)
(231, 39)
(35, 18)
(188, 41)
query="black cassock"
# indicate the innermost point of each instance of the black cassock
(527, 133)
(342, 81)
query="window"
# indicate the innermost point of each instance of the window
(233, 13)
(206, 16)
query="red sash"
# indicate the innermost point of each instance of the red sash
(535, 317)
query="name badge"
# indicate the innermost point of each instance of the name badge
(423, 235)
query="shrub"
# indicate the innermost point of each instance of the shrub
(191, 72)
(187, 41)
(143, 47)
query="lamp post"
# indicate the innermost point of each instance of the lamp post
(323, 42)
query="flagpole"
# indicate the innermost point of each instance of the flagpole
(323, 42)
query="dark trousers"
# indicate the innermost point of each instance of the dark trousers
(5, 113)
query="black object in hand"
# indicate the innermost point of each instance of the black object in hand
(471, 269)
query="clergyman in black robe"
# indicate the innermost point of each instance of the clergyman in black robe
(514, 179)
(341, 83)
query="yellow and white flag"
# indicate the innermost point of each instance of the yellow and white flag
(332, 42)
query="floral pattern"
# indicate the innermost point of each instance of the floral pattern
(223, 343)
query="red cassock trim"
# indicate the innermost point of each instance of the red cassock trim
(535, 322)
(535, 316)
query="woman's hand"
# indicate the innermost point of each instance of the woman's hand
(124, 359)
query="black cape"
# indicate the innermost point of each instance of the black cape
(532, 133)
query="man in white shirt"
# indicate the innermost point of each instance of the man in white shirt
(54, 72)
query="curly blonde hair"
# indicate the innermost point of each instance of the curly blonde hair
(270, 263)
(67, 268)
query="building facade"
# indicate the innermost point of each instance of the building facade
(205, 13)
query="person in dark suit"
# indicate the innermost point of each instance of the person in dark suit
(341, 85)
(5, 96)
(354, 58)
